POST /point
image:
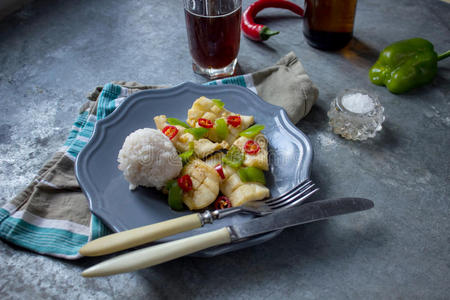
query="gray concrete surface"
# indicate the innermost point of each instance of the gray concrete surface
(54, 52)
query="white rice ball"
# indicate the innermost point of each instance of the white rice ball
(148, 158)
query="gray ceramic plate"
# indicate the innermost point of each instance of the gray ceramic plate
(121, 209)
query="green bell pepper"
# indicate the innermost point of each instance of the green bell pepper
(221, 129)
(234, 157)
(252, 174)
(198, 132)
(175, 198)
(186, 155)
(175, 121)
(252, 131)
(218, 102)
(405, 65)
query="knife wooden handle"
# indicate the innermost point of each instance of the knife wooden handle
(138, 236)
(154, 255)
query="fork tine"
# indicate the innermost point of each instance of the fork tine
(292, 193)
(296, 200)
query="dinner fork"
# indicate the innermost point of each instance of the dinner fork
(263, 207)
(138, 236)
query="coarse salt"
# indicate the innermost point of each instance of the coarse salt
(358, 103)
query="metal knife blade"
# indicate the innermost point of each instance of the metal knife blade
(298, 215)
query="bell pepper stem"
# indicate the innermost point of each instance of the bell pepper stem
(443, 55)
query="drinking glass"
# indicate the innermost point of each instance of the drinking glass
(213, 31)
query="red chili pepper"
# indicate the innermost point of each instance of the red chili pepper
(258, 32)
(170, 131)
(234, 121)
(251, 147)
(205, 123)
(219, 170)
(222, 202)
(185, 183)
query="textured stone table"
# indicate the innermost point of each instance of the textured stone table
(54, 52)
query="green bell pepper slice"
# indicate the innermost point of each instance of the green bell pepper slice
(175, 198)
(234, 157)
(405, 65)
(252, 131)
(175, 121)
(252, 174)
(198, 132)
(221, 129)
(218, 102)
(186, 156)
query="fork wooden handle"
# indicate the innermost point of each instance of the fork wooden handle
(135, 237)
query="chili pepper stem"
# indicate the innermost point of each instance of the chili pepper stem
(443, 55)
(266, 33)
(259, 32)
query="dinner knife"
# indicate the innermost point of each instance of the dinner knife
(164, 252)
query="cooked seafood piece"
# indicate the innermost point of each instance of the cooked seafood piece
(181, 140)
(240, 192)
(205, 184)
(259, 160)
(202, 147)
(206, 108)
(233, 187)
(214, 159)
(233, 133)
(248, 192)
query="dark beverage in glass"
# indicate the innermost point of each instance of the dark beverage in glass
(328, 24)
(213, 31)
(213, 41)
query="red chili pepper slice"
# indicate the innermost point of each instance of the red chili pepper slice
(185, 183)
(258, 32)
(222, 202)
(205, 123)
(219, 170)
(251, 147)
(234, 121)
(170, 131)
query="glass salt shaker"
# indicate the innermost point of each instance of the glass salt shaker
(356, 115)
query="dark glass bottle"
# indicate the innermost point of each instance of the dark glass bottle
(328, 24)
